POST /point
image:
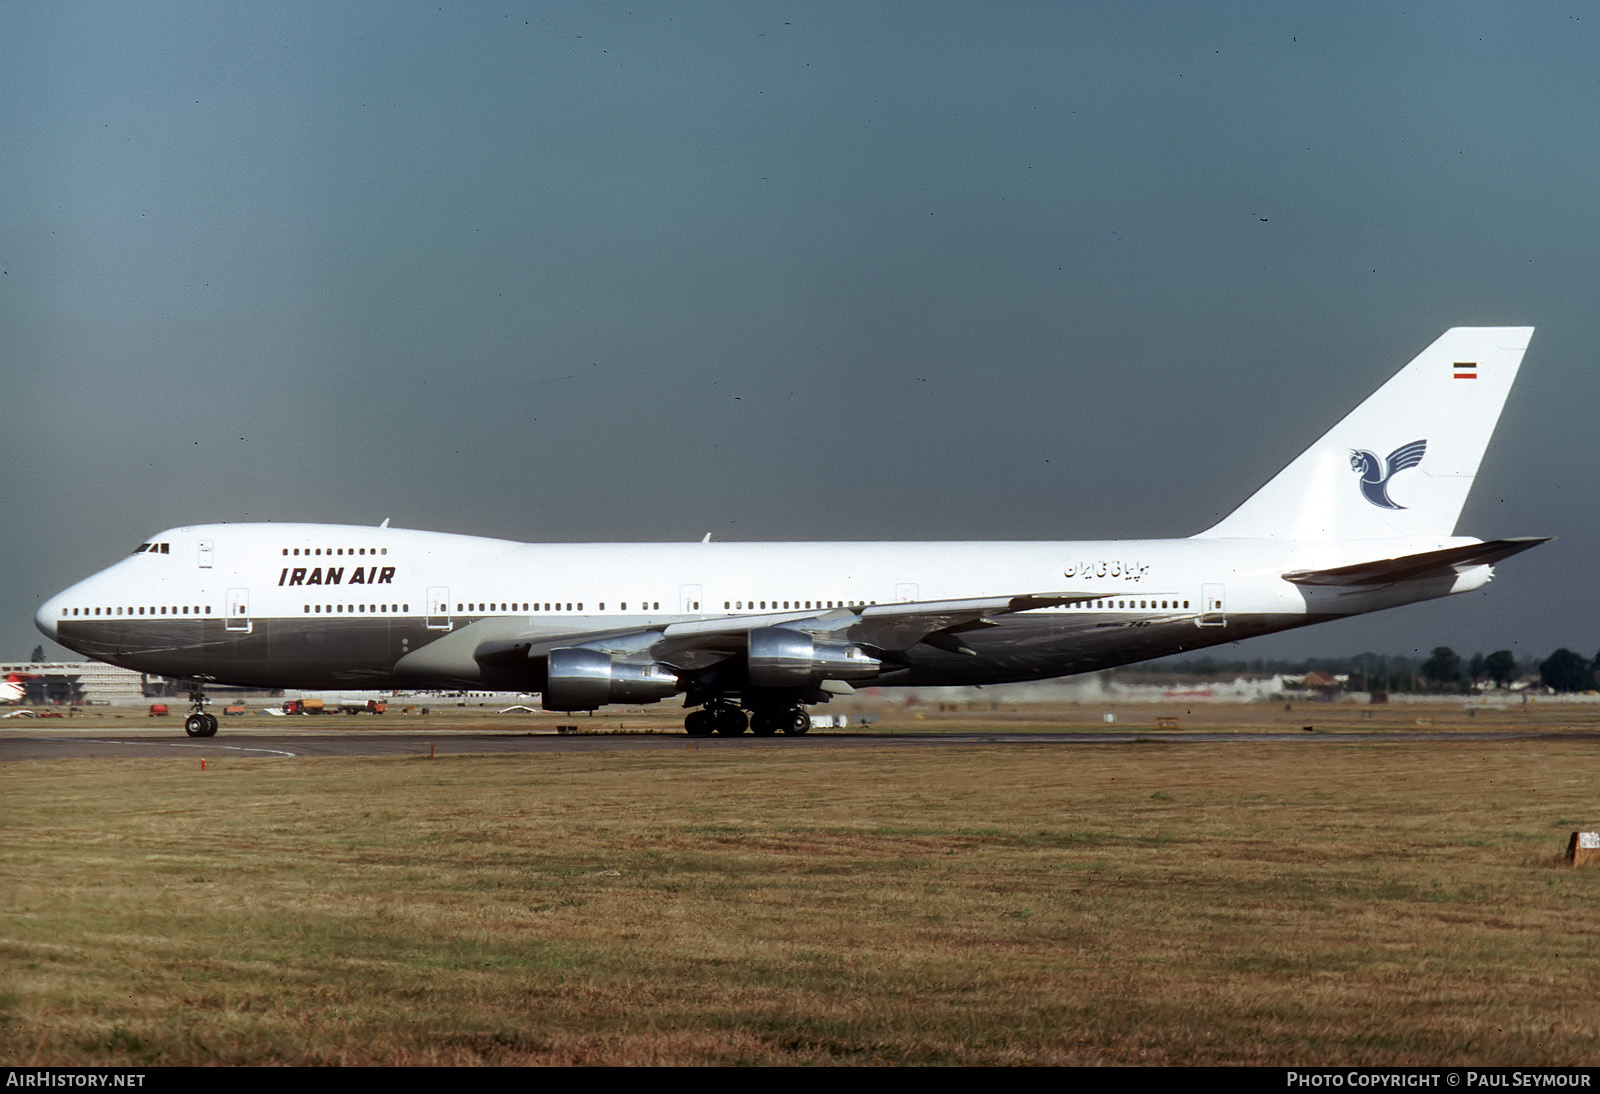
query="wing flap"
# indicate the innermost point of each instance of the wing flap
(1386, 571)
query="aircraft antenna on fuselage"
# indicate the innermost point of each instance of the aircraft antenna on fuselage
(385, 523)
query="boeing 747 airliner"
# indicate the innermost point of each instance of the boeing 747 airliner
(750, 633)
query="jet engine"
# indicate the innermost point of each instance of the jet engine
(784, 658)
(584, 679)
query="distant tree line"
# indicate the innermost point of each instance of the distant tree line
(1442, 671)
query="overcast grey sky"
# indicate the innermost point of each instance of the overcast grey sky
(592, 271)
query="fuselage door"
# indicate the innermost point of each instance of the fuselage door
(439, 608)
(1213, 610)
(238, 618)
(207, 550)
(689, 599)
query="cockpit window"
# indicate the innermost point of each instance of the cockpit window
(153, 548)
(141, 549)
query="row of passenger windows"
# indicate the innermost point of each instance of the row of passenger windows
(336, 550)
(647, 605)
(1102, 605)
(758, 605)
(771, 605)
(339, 609)
(512, 607)
(504, 606)
(569, 606)
(184, 610)
(655, 605)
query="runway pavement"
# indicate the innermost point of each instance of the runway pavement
(21, 745)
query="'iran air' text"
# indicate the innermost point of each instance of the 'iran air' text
(334, 575)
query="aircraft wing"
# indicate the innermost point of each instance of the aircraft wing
(1385, 571)
(697, 644)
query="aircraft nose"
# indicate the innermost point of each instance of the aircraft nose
(45, 617)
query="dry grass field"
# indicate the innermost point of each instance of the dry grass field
(1316, 902)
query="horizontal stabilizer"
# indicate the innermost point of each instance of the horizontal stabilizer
(1385, 571)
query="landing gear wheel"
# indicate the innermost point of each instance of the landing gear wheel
(764, 723)
(730, 721)
(199, 723)
(698, 723)
(797, 722)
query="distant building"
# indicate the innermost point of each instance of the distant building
(70, 683)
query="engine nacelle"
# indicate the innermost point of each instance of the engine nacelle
(783, 658)
(582, 679)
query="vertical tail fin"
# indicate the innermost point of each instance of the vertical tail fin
(1401, 463)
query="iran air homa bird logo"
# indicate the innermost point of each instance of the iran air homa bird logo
(1375, 476)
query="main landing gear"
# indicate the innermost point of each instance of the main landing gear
(725, 719)
(199, 723)
(720, 717)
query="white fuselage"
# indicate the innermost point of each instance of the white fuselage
(329, 605)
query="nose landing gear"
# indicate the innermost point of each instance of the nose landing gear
(199, 723)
